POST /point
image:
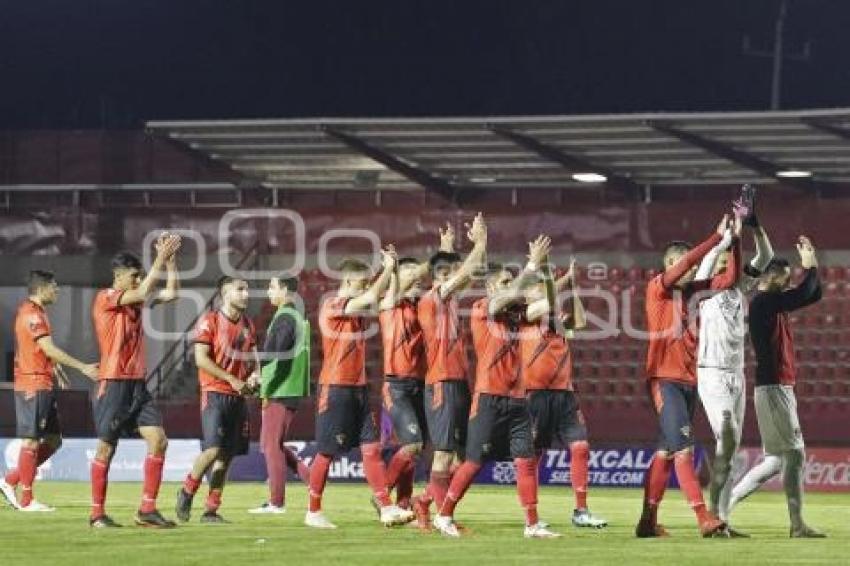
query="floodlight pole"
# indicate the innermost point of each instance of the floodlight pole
(778, 54)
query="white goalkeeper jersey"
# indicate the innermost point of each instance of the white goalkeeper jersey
(722, 330)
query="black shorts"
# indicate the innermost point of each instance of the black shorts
(404, 401)
(447, 412)
(36, 414)
(344, 419)
(675, 404)
(224, 423)
(556, 418)
(499, 428)
(121, 407)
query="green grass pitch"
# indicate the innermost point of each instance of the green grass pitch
(492, 515)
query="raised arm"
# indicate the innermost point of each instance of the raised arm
(166, 246)
(809, 291)
(706, 266)
(477, 234)
(393, 293)
(579, 318)
(538, 250)
(548, 304)
(675, 272)
(447, 238)
(364, 303)
(172, 282)
(568, 279)
(764, 250)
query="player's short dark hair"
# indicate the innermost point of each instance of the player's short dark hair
(442, 258)
(288, 281)
(676, 246)
(39, 278)
(226, 280)
(407, 261)
(776, 266)
(351, 265)
(126, 260)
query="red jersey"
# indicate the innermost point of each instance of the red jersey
(445, 347)
(343, 345)
(672, 354)
(497, 371)
(546, 358)
(404, 351)
(33, 369)
(231, 345)
(119, 335)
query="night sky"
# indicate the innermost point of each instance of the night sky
(116, 63)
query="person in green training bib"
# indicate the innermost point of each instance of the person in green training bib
(285, 380)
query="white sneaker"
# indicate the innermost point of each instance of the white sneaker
(539, 531)
(583, 518)
(8, 493)
(446, 526)
(317, 520)
(394, 516)
(36, 507)
(268, 509)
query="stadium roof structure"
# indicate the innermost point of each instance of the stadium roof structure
(804, 149)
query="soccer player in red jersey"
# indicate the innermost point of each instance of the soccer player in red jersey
(671, 376)
(404, 373)
(123, 404)
(37, 361)
(447, 397)
(556, 417)
(499, 420)
(227, 360)
(343, 417)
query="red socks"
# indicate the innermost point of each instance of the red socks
(45, 451)
(152, 481)
(526, 485)
(27, 466)
(373, 466)
(404, 487)
(460, 482)
(684, 462)
(438, 485)
(213, 501)
(191, 485)
(579, 455)
(99, 482)
(318, 477)
(400, 463)
(655, 484)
